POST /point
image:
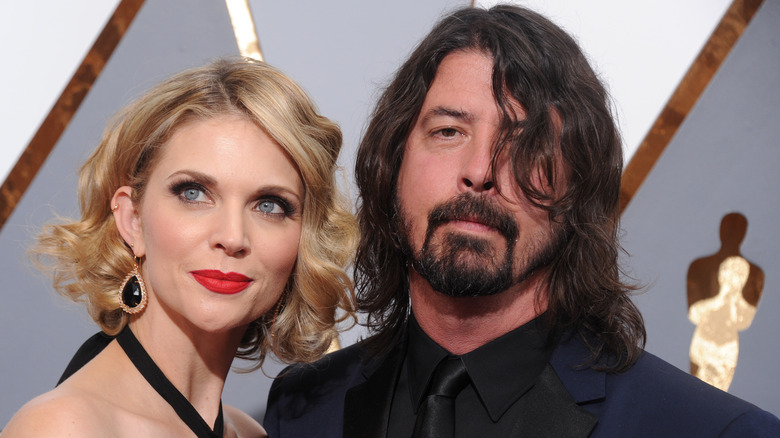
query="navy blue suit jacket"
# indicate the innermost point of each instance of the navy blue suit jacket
(345, 394)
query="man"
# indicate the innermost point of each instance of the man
(489, 178)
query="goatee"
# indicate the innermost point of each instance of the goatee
(465, 265)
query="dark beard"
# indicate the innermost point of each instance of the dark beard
(462, 265)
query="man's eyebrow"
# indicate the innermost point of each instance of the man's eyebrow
(461, 115)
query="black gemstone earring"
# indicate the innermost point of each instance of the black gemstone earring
(132, 292)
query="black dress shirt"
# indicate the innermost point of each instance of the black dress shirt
(501, 372)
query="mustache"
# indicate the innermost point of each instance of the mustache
(468, 207)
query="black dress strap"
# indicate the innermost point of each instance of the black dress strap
(154, 375)
(91, 348)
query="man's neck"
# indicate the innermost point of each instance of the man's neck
(463, 324)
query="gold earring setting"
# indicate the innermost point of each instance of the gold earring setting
(132, 292)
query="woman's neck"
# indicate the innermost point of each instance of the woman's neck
(196, 362)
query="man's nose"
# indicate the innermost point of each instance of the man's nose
(476, 172)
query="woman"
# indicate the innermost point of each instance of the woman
(211, 228)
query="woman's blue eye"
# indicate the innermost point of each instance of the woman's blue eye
(191, 194)
(270, 207)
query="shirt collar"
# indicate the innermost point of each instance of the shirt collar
(423, 357)
(522, 354)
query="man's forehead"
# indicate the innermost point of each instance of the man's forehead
(465, 113)
(463, 84)
(450, 112)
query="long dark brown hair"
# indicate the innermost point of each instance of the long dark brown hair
(568, 118)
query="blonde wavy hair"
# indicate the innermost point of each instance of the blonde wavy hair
(88, 259)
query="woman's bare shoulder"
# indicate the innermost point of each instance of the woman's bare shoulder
(242, 424)
(60, 413)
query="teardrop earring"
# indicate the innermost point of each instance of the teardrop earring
(132, 292)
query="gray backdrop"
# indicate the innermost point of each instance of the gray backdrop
(723, 158)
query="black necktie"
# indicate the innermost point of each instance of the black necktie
(437, 415)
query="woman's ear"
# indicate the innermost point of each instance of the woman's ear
(128, 220)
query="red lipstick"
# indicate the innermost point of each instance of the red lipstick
(220, 282)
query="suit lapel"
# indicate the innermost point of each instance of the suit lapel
(367, 405)
(569, 360)
(550, 408)
(547, 410)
